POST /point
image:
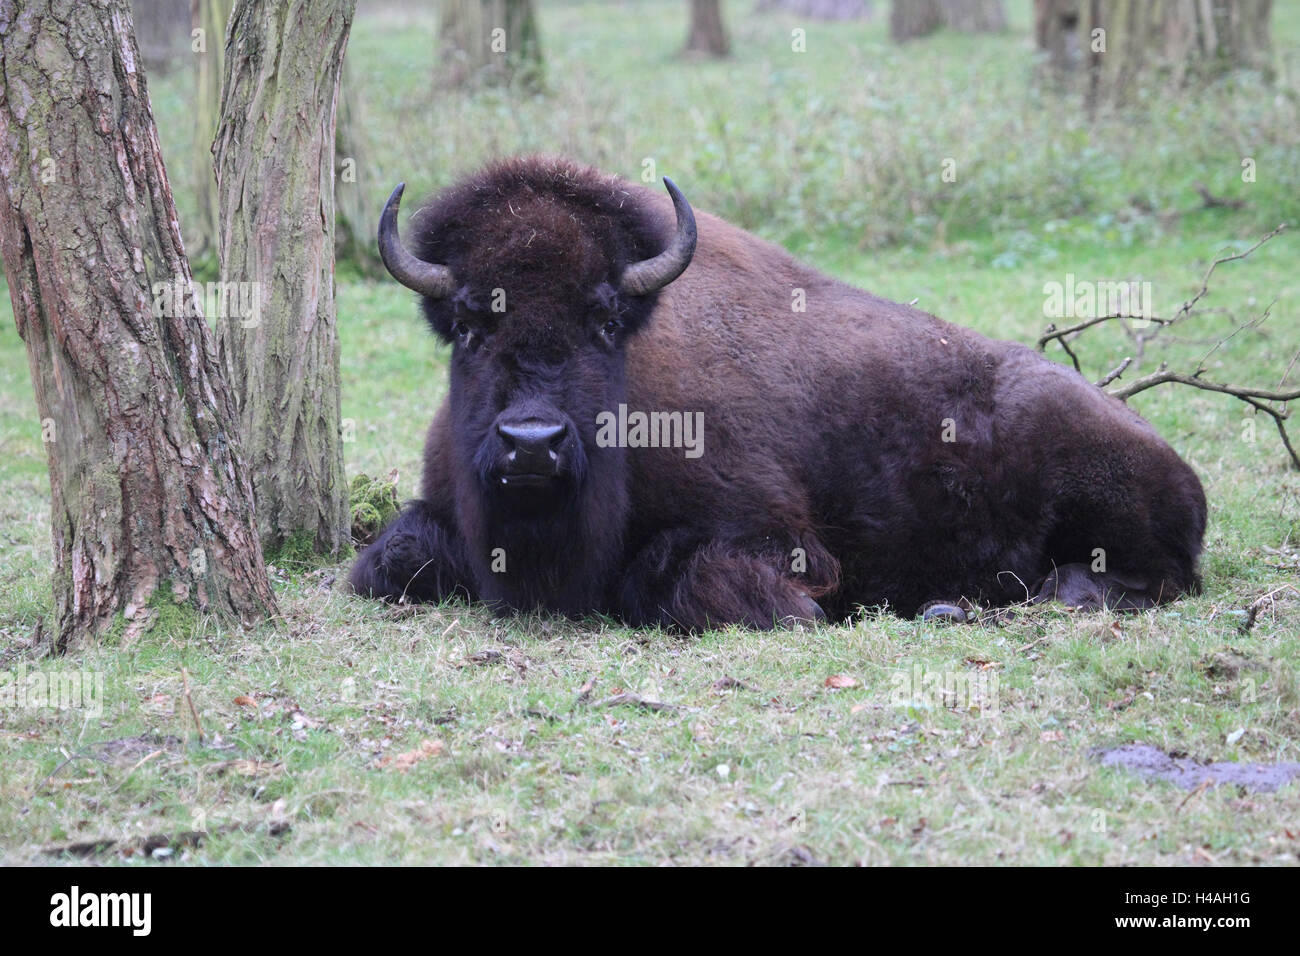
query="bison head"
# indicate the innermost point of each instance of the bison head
(537, 275)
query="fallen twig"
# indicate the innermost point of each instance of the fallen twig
(185, 683)
(1270, 401)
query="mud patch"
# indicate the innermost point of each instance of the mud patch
(1189, 773)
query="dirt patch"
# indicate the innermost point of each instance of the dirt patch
(1189, 773)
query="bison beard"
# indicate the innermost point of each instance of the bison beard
(857, 453)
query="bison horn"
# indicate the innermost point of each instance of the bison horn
(427, 278)
(651, 274)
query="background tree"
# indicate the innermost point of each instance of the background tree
(707, 35)
(490, 42)
(162, 30)
(973, 16)
(356, 202)
(210, 17)
(149, 493)
(275, 180)
(914, 18)
(820, 9)
(1125, 42)
(1056, 32)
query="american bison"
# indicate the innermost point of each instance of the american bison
(691, 429)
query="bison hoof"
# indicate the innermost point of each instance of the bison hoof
(810, 613)
(946, 614)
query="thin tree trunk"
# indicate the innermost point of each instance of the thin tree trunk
(909, 19)
(707, 36)
(1056, 31)
(275, 180)
(819, 9)
(357, 201)
(973, 16)
(162, 33)
(149, 493)
(486, 42)
(211, 17)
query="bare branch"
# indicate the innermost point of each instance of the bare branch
(1163, 375)
(1205, 280)
(1115, 373)
(1258, 398)
(1052, 332)
(1271, 402)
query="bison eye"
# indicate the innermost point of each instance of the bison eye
(465, 335)
(610, 328)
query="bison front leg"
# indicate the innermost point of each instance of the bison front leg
(681, 582)
(416, 558)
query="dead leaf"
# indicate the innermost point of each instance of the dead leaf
(243, 700)
(726, 682)
(842, 681)
(429, 747)
(480, 657)
(634, 700)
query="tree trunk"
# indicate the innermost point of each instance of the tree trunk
(909, 19)
(973, 16)
(211, 17)
(162, 31)
(1056, 31)
(820, 9)
(149, 493)
(357, 191)
(487, 42)
(707, 37)
(275, 181)
(1174, 41)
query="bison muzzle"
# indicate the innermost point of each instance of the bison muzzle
(854, 452)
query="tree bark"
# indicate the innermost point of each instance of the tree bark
(707, 36)
(210, 16)
(149, 493)
(485, 42)
(275, 181)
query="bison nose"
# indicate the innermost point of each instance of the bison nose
(532, 444)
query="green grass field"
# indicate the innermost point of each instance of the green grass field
(357, 733)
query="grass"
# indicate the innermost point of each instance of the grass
(355, 733)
